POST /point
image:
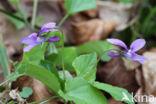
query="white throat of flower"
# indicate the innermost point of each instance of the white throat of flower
(39, 39)
(129, 53)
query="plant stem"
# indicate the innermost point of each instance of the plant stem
(63, 19)
(21, 13)
(64, 74)
(45, 100)
(34, 13)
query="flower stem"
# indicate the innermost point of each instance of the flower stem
(34, 13)
(103, 53)
(63, 19)
(64, 74)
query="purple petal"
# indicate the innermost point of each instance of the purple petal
(33, 35)
(30, 39)
(48, 27)
(137, 44)
(53, 39)
(113, 54)
(138, 58)
(117, 42)
(28, 48)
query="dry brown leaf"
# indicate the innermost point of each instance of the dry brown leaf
(21, 82)
(149, 72)
(91, 13)
(118, 12)
(139, 77)
(148, 88)
(112, 101)
(41, 92)
(115, 73)
(92, 30)
(4, 96)
(131, 65)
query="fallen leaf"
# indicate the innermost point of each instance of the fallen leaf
(41, 92)
(149, 72)
(91, 13)
(114, 72)
(112, 101)
(118, 12)
(92, 30)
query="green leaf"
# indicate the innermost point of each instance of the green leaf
(74, 6)
(14, 1)
(51, 49)
(100, 47)
(26, 92)
(69, 55)
(85, 66)
(19, 24)
(43, 75)
(127, 1)
(81, 92)
(34, 56)
(50, 67)
(3, 58)
(12, 102)
(117, 93)
(68, 75)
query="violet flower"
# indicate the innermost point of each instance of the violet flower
(32, 40)
(128, 53)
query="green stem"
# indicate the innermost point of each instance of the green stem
(63, 19)
(21, 13)
(63, 68)
(103, 53)
(45, 100)
(34, 13)
(64, 74)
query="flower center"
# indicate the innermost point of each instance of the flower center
(39, 39)
(129, 52)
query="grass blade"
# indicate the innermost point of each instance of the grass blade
(3, 58)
